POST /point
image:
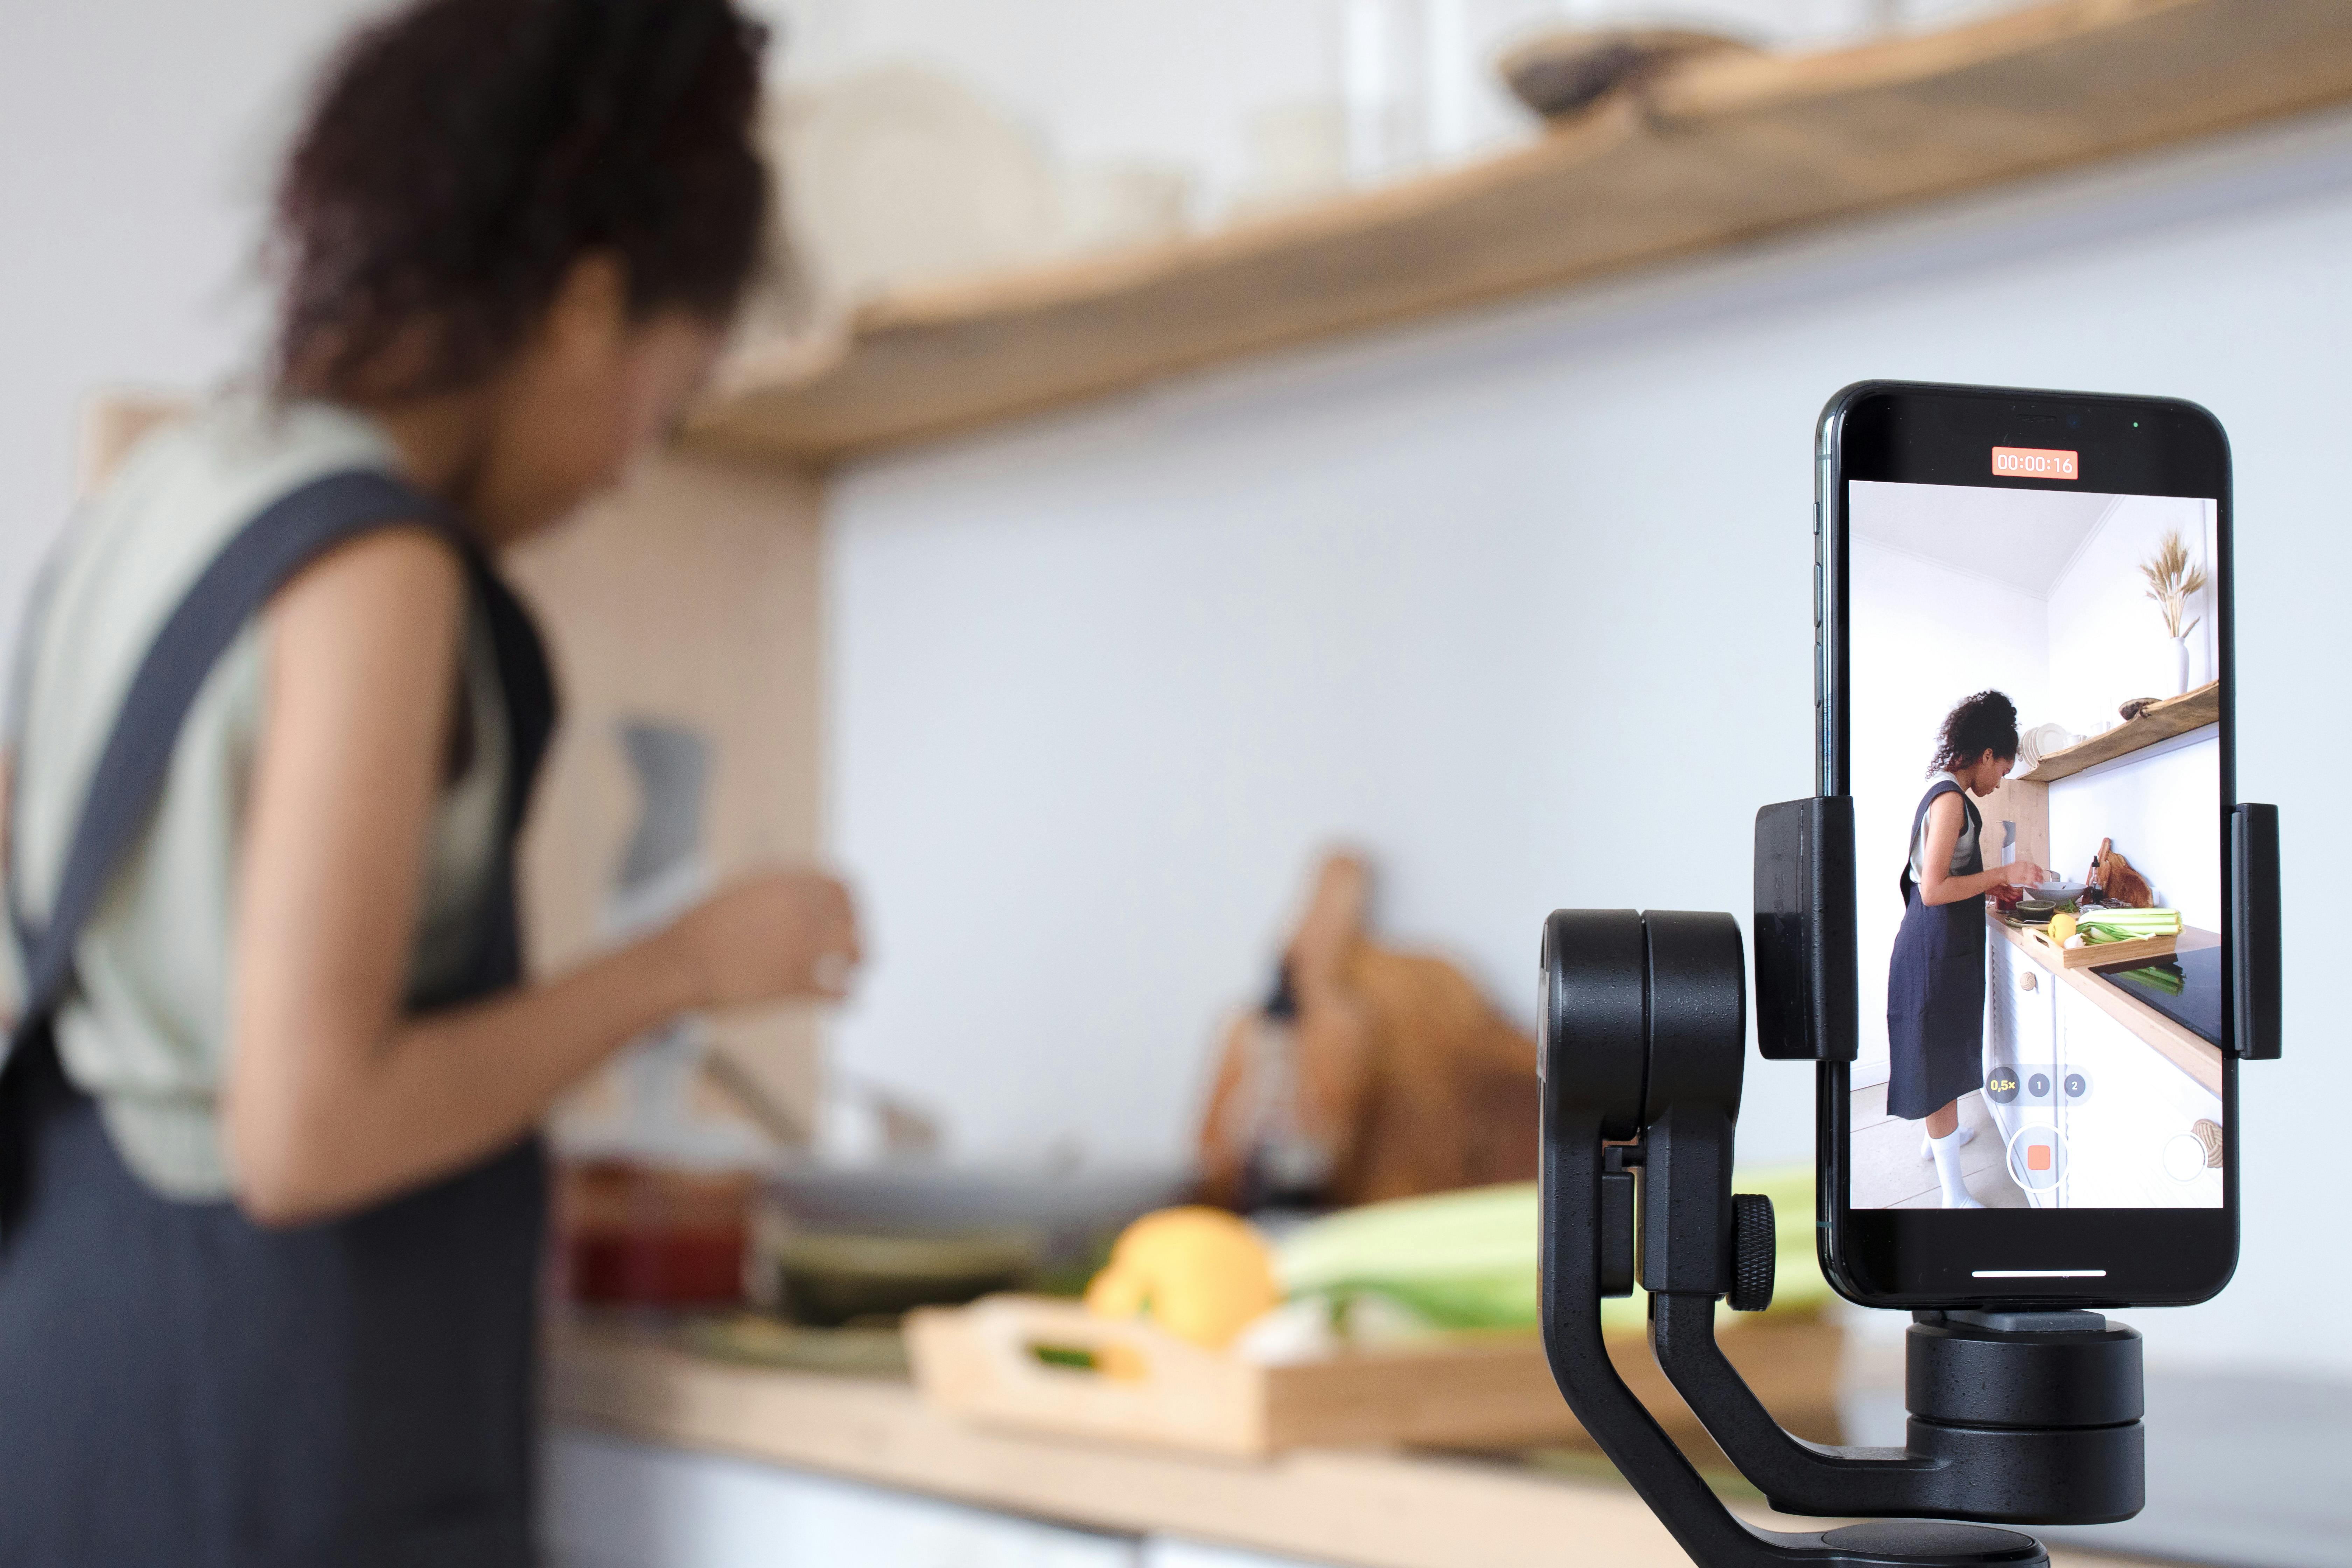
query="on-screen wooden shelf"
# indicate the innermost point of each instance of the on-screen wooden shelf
(2174, 716)
(1725, 149)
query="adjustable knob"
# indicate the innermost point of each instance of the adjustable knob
(1753, 1245)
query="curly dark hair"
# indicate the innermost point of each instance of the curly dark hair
(1985, 722)
(462, 155)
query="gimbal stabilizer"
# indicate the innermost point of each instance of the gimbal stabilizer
(2016, 1417)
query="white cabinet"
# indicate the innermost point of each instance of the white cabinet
(2022, 1062)
(614, 1503)
(1164, 1552)
(2129, 1117)
(2091, 1115)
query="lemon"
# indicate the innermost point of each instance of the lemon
(2061, 926)
(1199, 1273)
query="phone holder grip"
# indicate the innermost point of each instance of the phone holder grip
(1808, 1005)
(1807, 995)
(2254, 930)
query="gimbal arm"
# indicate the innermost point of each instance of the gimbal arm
(1642, 1031)
(1591, 1093)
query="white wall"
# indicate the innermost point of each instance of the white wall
(1520, 604)
(140, 141)
(2162, 808)
(2107, 642)
(141, 137)
(1926, 637)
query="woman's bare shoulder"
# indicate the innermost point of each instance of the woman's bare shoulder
(382, 612)
(413, 564)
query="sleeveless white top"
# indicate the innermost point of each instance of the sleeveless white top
(147, 1033)
(1962, 852)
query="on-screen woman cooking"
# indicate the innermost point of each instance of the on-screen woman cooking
(271, 1208)
(1936, 978)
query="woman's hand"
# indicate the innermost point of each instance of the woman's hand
(2024, 874)
(788, 933)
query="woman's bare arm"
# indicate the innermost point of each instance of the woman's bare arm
(333, 1099)
(1939, 886)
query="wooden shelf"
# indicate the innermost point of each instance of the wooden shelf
(1723, 151)
(2173, 716)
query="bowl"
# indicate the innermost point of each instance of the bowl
(1565, 71)
(827, 1279)
(1069, 1210)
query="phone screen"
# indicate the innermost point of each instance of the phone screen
(2025, 684)
(2035, 758)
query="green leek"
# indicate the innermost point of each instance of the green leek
(2126, 925)
(2157, 976)
(1468, 1259)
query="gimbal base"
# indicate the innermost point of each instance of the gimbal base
(1910, 1541)
(2015, 1418)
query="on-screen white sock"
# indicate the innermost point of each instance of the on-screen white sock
(1967, 1135)
(1948, 1171)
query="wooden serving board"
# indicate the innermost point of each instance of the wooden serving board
(988, 1364)
(2095, 954)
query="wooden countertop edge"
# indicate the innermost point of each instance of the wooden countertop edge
(1380, 1510)
(2184, 1048)
(1376, 1509)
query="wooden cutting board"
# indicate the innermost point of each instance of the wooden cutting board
(2098, 955)
(1050, 1365)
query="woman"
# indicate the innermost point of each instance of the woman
(1936, 979)
(272, 1210)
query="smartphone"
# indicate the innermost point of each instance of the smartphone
(2023, 681)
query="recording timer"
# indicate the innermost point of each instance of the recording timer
(2035, 463)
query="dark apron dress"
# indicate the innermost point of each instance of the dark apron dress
(1936, 983)
(180, 1386)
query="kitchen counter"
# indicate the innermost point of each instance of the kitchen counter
(2179, 1044)
(1373, 1507)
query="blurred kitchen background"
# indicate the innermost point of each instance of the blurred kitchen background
(1189, 440)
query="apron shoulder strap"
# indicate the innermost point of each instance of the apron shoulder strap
(283, 537)
(1903, 882)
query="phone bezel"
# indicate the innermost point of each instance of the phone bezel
(1929, 433)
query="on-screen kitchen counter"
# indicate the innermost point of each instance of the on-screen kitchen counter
(2125, 1096)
